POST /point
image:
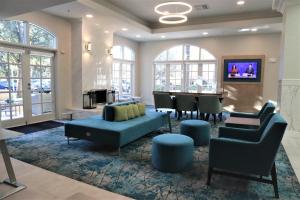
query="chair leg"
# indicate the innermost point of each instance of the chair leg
(191, 114)
(274, 181)
(220, 115)
(215, 118)
(209, 174)
(207, 117)
(201, 116)
(197, 114)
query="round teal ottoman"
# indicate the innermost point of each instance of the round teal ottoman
(172, 152)
(198, 130)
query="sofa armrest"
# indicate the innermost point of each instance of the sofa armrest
(245, 115)
(231, 154)
(251, 135)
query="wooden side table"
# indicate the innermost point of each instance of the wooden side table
(12, 181)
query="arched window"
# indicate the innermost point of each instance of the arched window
(122, 70)
(26, 33)
(185, 68)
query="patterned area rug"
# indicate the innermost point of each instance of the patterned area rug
(131, 173)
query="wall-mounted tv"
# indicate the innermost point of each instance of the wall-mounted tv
(242, 70)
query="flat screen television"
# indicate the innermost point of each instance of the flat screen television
(242, 70)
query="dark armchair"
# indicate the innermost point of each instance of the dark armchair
(262, 114)
(186, 103)
(163, 100)
(246, 153)
(209, 104)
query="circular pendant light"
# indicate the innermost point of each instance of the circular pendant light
(173, 19)
(189, 8)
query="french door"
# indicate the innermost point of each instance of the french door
(26, 87)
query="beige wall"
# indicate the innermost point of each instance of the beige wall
(118, 40)
(62, 29)
(256, 44)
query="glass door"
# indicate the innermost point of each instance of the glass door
(11, 91)
(26, 87)
(40, 87)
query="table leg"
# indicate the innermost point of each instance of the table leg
(10, 172)
(7, 162)
(169, 120)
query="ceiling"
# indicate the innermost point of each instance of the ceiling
(139, 18)
(143, 9)
(9, 8)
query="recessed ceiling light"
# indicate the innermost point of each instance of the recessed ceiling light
(106, 32)
(240, 3)
(138, 36)
(205, 33)
(254, 29)
(89, 15)
(244, 30)
(124, 29)
(163, 36)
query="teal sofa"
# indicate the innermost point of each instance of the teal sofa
(115, 134)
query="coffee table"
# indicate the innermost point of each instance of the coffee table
(242, 122)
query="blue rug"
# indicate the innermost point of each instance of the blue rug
(131, 173)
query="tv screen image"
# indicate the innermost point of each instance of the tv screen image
(242, 70)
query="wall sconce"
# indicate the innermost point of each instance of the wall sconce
(109, 51)
(88, 46)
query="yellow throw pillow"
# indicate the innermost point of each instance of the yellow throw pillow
(136, 110)
(121, 113)
(130, 112)
(141, 108)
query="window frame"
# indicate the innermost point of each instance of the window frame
(184, 65)
(122, 69)
(26, 42)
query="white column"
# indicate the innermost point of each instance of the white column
(289, 95)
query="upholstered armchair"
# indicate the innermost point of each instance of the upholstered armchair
(163, 100)
(262, 114)
(246, 153)
(209, 104)
(185, 103)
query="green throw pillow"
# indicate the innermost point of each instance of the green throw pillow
(121, 113)
(130, 112)
(136, 110)
(141, 108)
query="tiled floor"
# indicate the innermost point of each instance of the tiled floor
(45, 185)
(291, 143)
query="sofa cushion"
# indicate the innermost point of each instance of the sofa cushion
(136, 111)
(121, 113)
(141, 107)
(108, 110)
(130, 112)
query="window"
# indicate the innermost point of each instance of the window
(26, 33)
(185, 68)
(122, 69)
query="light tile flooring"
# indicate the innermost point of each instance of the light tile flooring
(291, 143)
(45, 185)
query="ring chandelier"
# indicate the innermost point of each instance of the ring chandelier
(179, 17)
(167, 19)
